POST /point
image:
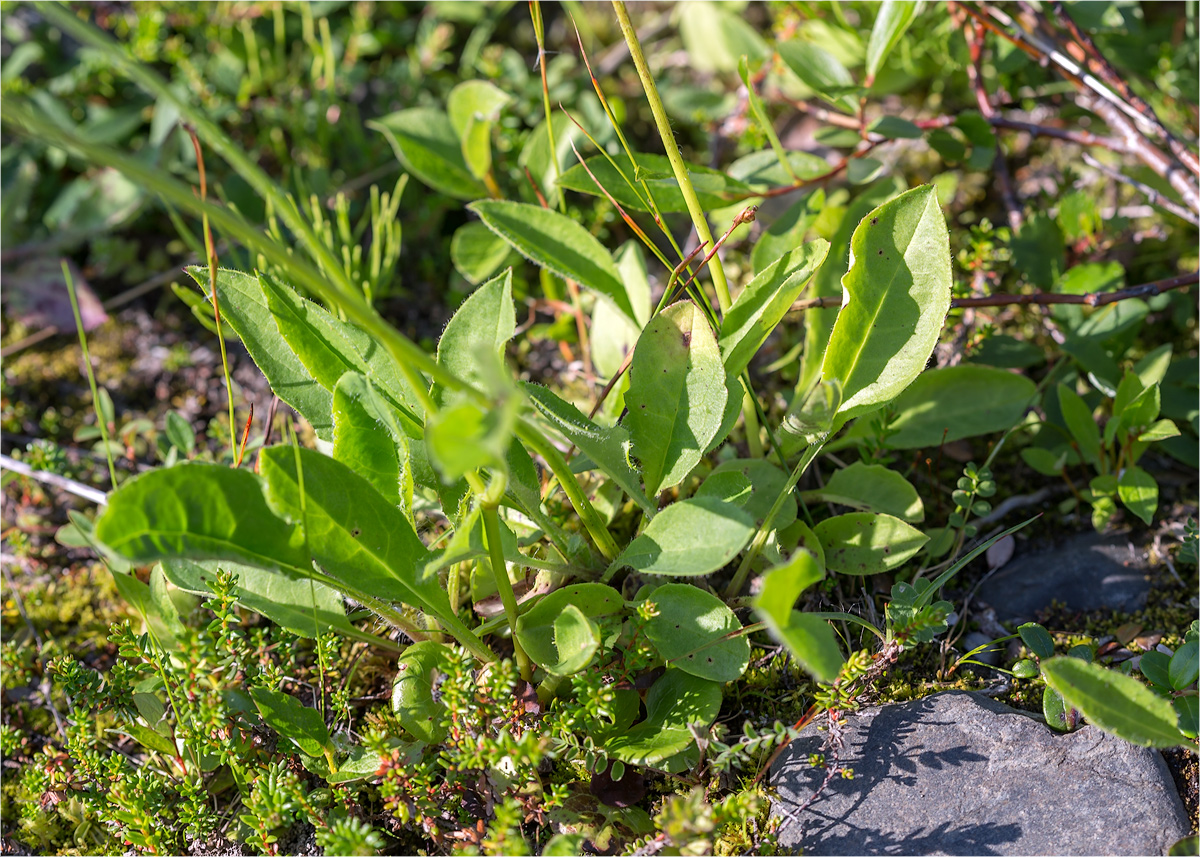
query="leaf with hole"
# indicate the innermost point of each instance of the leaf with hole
(676, 397)
(696, 632)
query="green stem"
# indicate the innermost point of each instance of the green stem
(588, 515)
(673, 153)
(491, 528)
(87, 365)
(760, 539)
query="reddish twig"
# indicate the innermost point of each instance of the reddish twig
(1145, 290)
(975, 41)
(1104, 70)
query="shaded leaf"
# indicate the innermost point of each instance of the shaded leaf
(675, 701)
(864, 543)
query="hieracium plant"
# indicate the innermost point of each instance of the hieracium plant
(489, 520)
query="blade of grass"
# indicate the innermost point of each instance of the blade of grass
(91, 376)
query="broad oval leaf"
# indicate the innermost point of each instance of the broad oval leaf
(696, 632)
(412, 691)
(871, 487)
(676, 701)
(864, 543)
(767, 482)
(1114, 702)
(713, 189)
(427, 146)
(473, 106)
(477, 252)
(676, 397)
(557, 243)
(1139, 492)
(895, 299)
(303, 726)
(1185, 665)
(820, 70)
(557, 646)
(1037, 639)
(363, 543)
(244, 308)
(198, 510)
(692, 537)
(1079, 420)
(944, 405)
(762, 304)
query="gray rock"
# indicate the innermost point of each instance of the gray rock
(1089, 572)
(958, 773)
(990, 655)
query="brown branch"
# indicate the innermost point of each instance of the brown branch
(1150, 193)
(1145, 290)
(975, 42)
(1104, 70)
(1082, 138)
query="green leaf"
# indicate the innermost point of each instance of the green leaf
(477, 252)
(730, 487)
(1114, 702)
(329, 348)
(893, 19)
(303, 726)
(1156, 667)
(944, 405)
(1081, 423)
(787, 231)
(1185, 665)
(427, 146)
(694, 631)
(1188, 710)
(764, 302)
(715, 38)
(148, 738)
(1138, 492)
(871, 487)
(676, 701)
(895, 128)
(809, 639)
(1037, 639)
(368, 439)
(820, 71)
(244, 308)
(473, 106)
(464, 437)
(412, 691)
(862, 543)
(1152, 368)
(199, 511)
(898, 288)
(1161, 430)
(179, 432)
(819, 322)
(557, 243)
(606, 447)
(613, 334)
(713, 189)
(304, 607)
(1142, 411)
(689, 538)
(472, 345)
(676, 395)
(767, 482)
(363, 543)
(539, 629)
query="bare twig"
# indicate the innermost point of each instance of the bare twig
(1150, 193)
(69, 485)
(1103, 69)
(1145, 290)
(975, 41)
